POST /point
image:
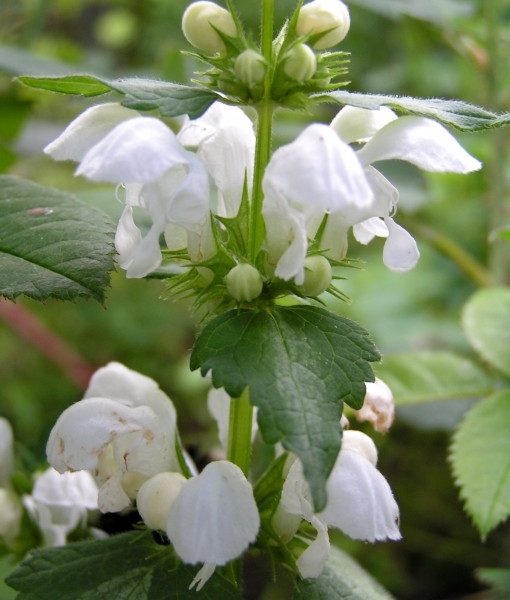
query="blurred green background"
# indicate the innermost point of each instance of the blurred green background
(442, 48)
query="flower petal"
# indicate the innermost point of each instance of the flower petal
(378, 406)
(360, 501)
(6, 451)
(76, 489)
(365, 231)
(225, 141)
(135, 151)
(312, 561)
(422, 142)
(127, 237)
(354, 124)
(215, 517)
(87, 130)
(318, 173)
(400, 250)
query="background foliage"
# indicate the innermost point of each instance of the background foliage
(443, 48)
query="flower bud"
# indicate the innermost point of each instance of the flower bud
(244, 283)
(250, 68)
(361, 443)
(378, 407)
(318, 276)
(300, 63)
(324, 15)
(200, 22)
(156, 497)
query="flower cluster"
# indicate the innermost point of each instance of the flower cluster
(124, 433)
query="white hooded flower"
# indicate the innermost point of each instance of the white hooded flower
(214, 518)
(378, 406)
(316, 174)
(117, 145)
(417, 140)
(360, 501)
(224, 140)
(123, 431)
(60, 502)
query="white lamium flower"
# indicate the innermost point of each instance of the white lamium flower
(60, 502)
(123, 431)
(378, 406)
(224, 140)
(6, 451)
(417, 140)
(316, 174)
(214, 518)
(330, 17)
(88, 129)
(360, 502)
(201, 22)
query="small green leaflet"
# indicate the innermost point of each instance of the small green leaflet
(485, 321)
(480, 459)
(418, 377)
(130, 565)
(342, 579)
(170, 99)
(299, 363)
(51, 244)
(455, 113)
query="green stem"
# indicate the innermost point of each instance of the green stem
(264, 133)
(498, 195)
(239, 432)
(446, 246)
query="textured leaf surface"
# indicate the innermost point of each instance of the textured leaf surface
(170, 99)
(481, 461)
(51, 244)
(418, 377)
(300, 363)
(486, 322)
(455, 113)
(342, 579)
(128, 566)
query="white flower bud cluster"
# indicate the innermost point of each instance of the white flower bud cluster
(201, 23)
(328, 17)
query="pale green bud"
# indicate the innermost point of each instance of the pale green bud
(199, 22)
(324, 15)
(300, 63)
(250, 68)
(318, 276)
(244, 283)
(156, 497)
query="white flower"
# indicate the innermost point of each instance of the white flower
(10, 506)
(117, 145)
(360, 501)
(59, 503)
(316, 174)
(224, 140)
(214, 518)
(123, 431)
(378, 406)
(201, 22)
(417, 140)
(331, 16)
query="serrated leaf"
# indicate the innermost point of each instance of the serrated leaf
(455, 113)
(480, 460)
(418, 377)
(170, 99)
(342, 579)
(127, 566)
(485, 321)
(299, 363)
(51, 244)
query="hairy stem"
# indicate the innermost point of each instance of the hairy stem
(239, 432)
(264, 132)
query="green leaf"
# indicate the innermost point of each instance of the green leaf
(342, 579)
(435, 11)
(300, 363)
(170, 99)
(127, 566)
(418, 377)
(480, 460)
(463, 116)
(51, 244)
(16, 61)
(499, 579)
(485, 320)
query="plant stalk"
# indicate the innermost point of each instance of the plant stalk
(239, 432)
